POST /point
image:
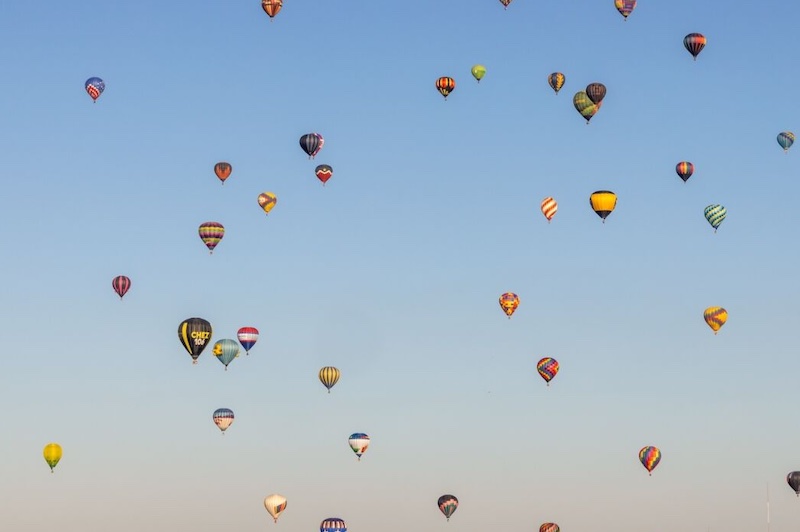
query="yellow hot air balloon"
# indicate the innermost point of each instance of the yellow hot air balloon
(275, 505)
(509, 303)
(478, 71)
(52, 454)
(715, 317)
(603, 203)
(267, 200)
(329, 376)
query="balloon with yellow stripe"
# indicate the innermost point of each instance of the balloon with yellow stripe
(603, 203)
(715, 317)
(329, 376)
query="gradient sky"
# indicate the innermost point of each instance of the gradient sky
(392, 271)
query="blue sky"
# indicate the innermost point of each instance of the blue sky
(392, 271)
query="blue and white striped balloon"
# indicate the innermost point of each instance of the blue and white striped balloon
(715, 214)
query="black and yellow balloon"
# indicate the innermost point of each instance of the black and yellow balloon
(603, 203)
(195, 335)
(329, 376)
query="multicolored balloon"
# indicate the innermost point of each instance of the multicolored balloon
(509, 303)
(358, 442)
(271, 7)
(333, 524)
(223, 417)
(323, 172)
(584, 105)
(625, 7)
(505, 3)
(596, 92)
(247, 336)
(267, 201)
(786, 139)
(549, 527)
(556, 81)
(121, 284)
(52, 454)
(448, 504)
(715, 214)
(549, 208)
(211, 233)
(715, 317)
(793, 479)
(194, 334)
(603, 203)
(478, 71)
(223, 171)
(275, 505)
(312, 143)
(694, 43)
(95, 87)
(547, 368)
(684, 169)
(329, 376)
(445, 85)
(650, 457)
(226, 350)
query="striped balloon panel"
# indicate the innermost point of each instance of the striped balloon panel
(329, 376)
(684, 169)
(549, 527)
(359, 443)
(211, 233)
(226, 350)
(509, 303)
(694, 42)
(223, 171)
(445, 85)
(333, 524)
(247, 336)
(556, 81)
(603, 202)
(223, 417)
(549, 208)
(547, 368)
(271, 7)
(715, 214)
(596, 92)
(786, 139)
(715, 317)
(447, 504)
(275, 505)
(121, 284)
(625, 7)
(650, 457)
(505, 2)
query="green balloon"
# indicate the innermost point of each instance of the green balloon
(478, 71)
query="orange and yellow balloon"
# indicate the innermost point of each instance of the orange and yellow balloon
(445, 85)
(267, 200)
(549, 208)
(715, 317)
(509, 303)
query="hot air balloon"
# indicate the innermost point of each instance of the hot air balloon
(358, 442)
(793, 479)
(95, 87)
(547, 368)
(267, 200)
(685, 170)
(445, 86)
(596, 92)
(556, 81)
(271, 7)
(448, 504)
(121, 285)
(247, 336)
(194, 334)
(505, 3)
(650, 457)
(584, 105)
(324, 172)
(211, 233)
(786, 139)
(509, 303)
(311, 143)
(223, 171)
(478, 71)
(695, 42)
(603, 203)
(52, 454)
(715, 317)
(549, 527)
(275, 505)
(549, 208)
(715, 214)
(329, 376)
(333, 524)
(226, 350)
(625, 7)
(223, 417)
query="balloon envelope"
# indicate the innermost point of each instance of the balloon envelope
(625, 7)
(549, 207)
(194, 334)
(547, 368)
(223, 171)
(650, 457)
(271, 7)
(793, 479)
(786, 139)
(358, 442)
(549, 527)
(715, 214)
(596, 92)
(52, 454)
(603, 203)
(267, 200)
(223, 417)
(447, 504)
(121, 284)
(211, 233)
(275, 505)
(694, 43)
(95, 87)
(247, 336)
(684, 169)
(715, 317)
(311, 143)
(226, 350)
(333, 524)
(445, 85)
(556, 81)
(323, 173)
(584, 105)
(478, 71)
(329, 376)
(509, 303)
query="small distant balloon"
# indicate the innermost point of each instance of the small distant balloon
(786, 139)
(509, 303)
(650, 457)
(603, 203)
(271, 7)
(547, 368)
(247, 336)
(275, 505)
(694, 43)
(312, 144)
(267, 200)
(211, 233)
(329, 376)
(333, 524)
(549, 527)
(596, 92)
(625, 7)
(793, 479)
(95, 87)
(226, 350)
(448, 504)
(549, 208)
(358, 443)
(223, 171)
(445, 85)
(505, 3)
(194, 335)
(556, 81)
(478, 71)
(684, 169)
(715, 214)
(584, 105)
(121, 284)
(715, 317)
(52, 454)
(223, 417)
(323, 172)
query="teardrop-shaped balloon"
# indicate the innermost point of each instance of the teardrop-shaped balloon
(211, 233)
(715, 317)
(694, 43)
(445, 85)
(223, 171)
(793, 479)
(786, 139)
(226, 350)
(715, 214)
(267, 200)
(603, 203)
(556, 81)
(271, 7)
(121, 284)
(95, 87)
(223, 417)
(549, 208)
(52, 455)
(625, 7)
(275, 505)
(478, 71)
(247, 336)
(596, 92)
(549, 527)
(323, 172)
(505, 3)
(650, 457)
(509, 303)
(684, 169)
(358, 442)
(448, 504)
(333, 524)
(547, 368)
(584, 105)
(195, 335)
(311, 143)
(329, 376)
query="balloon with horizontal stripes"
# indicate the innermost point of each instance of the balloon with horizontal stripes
(358, 442)
(223, 417)
(447, 504)
(223, 171)
(715, 214)
(650, 457)
(684, 169)
(786, 139)
(121, 284)
(195, 335)
(547, 368)
(247, 336)
(549, 208)
(211, 233)
(275, 505)
(549, 527)
(715, 317)
(94, 87)
(52, 454)
(226, 350)
(329, 376)
(509, 303)
(333, 524)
